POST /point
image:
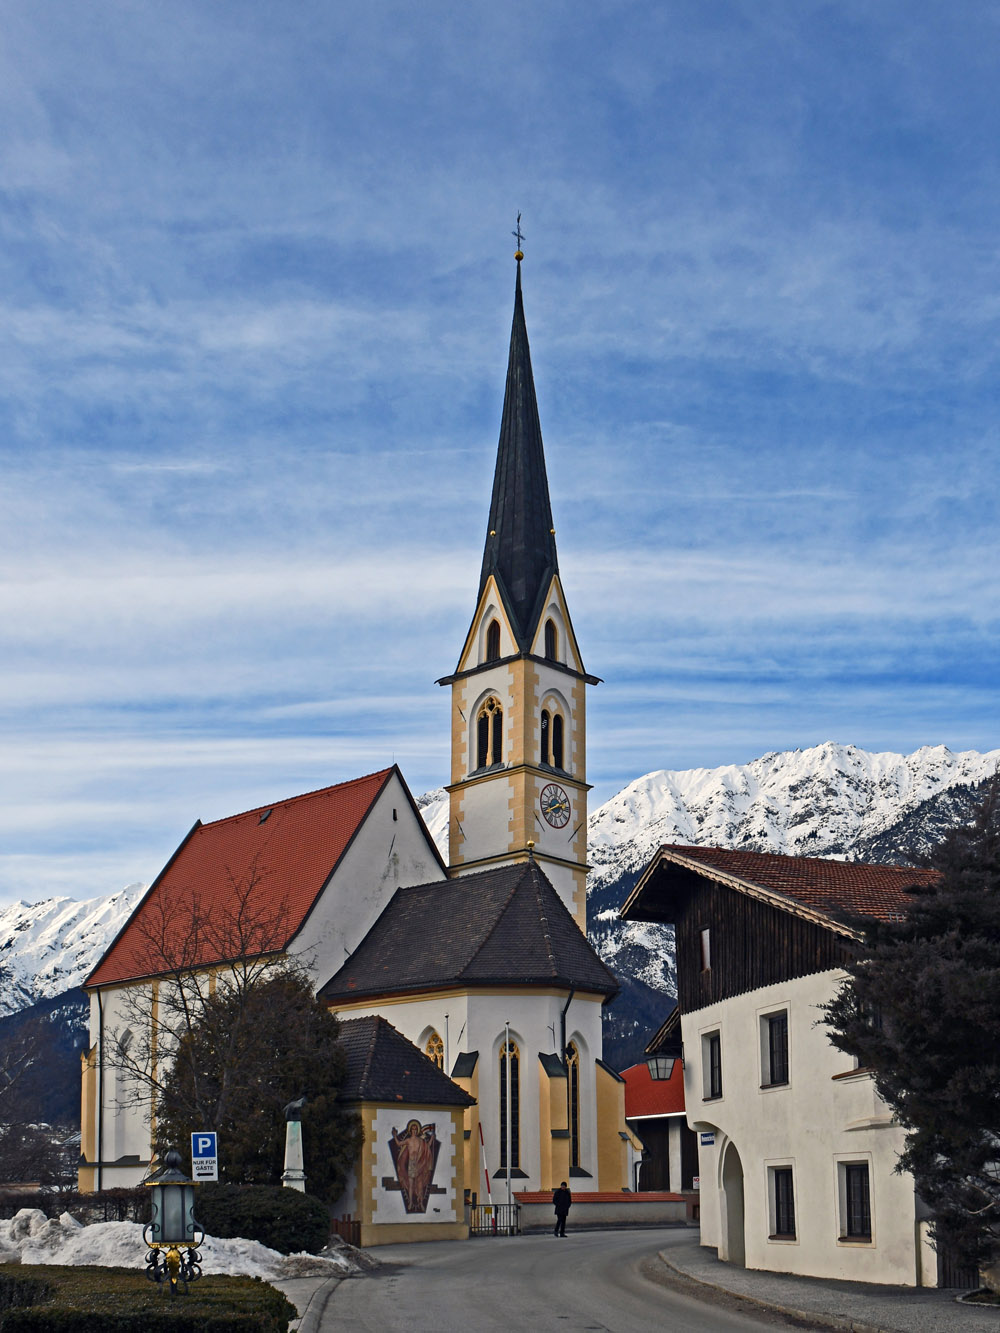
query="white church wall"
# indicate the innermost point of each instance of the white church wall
(389, 851)
(826, 1116)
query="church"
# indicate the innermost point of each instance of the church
(477, 973)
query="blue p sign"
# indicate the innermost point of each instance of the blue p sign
(205, 1155)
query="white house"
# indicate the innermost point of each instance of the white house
(797, 1150)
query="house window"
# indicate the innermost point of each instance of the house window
(782, 1200)
(435, 1049)
(774, 1048)
(706, 949)
(510, 1061)
(493, 641)
(573, 1074)
(855, 1201)
(546, 735)
(711, 1055)
(489, 734)
(551, 641)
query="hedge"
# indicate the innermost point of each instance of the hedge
(50, 1299)
(280, 1218)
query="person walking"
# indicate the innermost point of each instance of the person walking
(561, 1202)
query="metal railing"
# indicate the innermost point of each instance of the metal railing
(495, 1219)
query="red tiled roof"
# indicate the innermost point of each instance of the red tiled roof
(290, 848)
(834, 888)
(645, 1095)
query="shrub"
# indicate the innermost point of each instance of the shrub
(283, 1219)
(121, 1300)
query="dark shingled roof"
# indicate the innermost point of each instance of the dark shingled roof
(500, 927)
(842, 891)
(520, 543)
(383, 1066)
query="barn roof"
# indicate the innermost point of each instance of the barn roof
(275, 858)
(646, 1096)
(834, 892)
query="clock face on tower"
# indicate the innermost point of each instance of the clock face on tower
(554, 805)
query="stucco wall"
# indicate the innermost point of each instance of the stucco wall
(825, 1116)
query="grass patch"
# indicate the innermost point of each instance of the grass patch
(44, 1298)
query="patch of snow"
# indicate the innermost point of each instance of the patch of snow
(34, 1239)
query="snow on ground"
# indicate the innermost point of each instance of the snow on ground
(31, 1238)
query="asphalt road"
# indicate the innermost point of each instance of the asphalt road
(590, 1281)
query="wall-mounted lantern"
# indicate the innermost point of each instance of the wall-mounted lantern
(661, 1066)
(172, 1234)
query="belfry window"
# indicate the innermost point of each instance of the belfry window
(489, 734)
(510, 1064)
(551, 641)
(435, 1049)
(493, 641)
(573, 1076)
(546, 735)
(557, 741)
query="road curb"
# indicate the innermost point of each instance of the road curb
(811, 1316)
(311, 1318)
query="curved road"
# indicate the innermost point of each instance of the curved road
(592, 1281)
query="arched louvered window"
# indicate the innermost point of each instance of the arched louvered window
(546, 735)
(573, 1076)
(510, 1064)
(493, 641)
(551, 640)
(489, 734)
(435, 1049)
(557, 740)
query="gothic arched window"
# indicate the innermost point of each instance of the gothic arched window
(493, 641)
(510, 1061)
(435, 1049)
(573, 1075)
(546, 735)
(557, 741)
(489, 734)
(551, 640)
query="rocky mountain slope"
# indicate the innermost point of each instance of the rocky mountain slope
(829, 800)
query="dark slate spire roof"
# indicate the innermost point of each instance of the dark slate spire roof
(500, 927)
(520, 544)
(383, 1066)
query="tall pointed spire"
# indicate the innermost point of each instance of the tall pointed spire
(521, 544)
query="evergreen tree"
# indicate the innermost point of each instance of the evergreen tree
(922, 1010)
(251, 1052)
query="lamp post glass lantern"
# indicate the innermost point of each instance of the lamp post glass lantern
(172, 1234)
(661, 1066)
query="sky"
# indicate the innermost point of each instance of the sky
(256, 278)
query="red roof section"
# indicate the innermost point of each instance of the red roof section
(835, 888)
(645, 1095)
(289, 850)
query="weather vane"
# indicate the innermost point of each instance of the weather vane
(518, 234)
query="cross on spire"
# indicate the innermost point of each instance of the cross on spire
(518, 234)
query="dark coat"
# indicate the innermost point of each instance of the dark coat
(561, 1201)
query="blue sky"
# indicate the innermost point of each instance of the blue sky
(256, 279)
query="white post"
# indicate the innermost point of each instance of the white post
(293, 1176)
(506, 1028)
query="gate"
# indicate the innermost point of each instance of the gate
(495, 1219)
(347, 1229)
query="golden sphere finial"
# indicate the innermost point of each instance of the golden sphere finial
(519, 255)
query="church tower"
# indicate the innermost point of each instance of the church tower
(518, 714)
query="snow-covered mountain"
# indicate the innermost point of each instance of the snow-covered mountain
(50, 947)
(829, 800)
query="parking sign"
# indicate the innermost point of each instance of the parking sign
(205, 1155)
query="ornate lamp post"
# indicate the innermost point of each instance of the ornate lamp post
(173, 1235)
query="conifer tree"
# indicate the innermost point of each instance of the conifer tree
(921, 1008)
